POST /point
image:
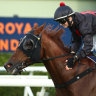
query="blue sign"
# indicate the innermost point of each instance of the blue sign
(12, 29)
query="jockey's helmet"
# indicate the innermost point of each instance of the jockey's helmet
(63, 12)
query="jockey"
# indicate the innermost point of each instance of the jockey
(82, 27)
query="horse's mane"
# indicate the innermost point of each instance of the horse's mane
(56, 34)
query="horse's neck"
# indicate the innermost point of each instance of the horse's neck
(59, 75)
(55, 67)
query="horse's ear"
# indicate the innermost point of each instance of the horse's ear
(60, 31)
(35, 26)
(39, 29)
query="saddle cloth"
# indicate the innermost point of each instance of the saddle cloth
(93, 58)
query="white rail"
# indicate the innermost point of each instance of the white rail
(32, 81)
(27, 81)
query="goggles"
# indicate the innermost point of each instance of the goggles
(61, 21)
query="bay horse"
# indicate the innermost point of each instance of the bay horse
(44, 44)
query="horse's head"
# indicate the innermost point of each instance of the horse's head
(28, 51)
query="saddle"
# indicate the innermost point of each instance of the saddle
(93, 58)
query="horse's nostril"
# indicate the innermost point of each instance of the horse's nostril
(8, 65)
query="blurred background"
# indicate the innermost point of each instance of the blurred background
(28, 13)
(41, 8)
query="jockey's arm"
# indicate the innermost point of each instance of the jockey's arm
(86, 49)
(76, 43)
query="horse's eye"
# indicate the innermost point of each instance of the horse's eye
(28, 44)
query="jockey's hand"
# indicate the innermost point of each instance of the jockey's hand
(70, 62)
(72, 52)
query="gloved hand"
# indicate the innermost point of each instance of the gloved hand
(71, 61)
(72, 52)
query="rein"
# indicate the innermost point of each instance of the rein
(51, 58)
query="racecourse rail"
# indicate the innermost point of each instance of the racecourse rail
(27, 81)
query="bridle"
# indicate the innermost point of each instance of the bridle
(36, 50)
(34, 54)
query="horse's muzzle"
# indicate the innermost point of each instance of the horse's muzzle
(7, 66)
(12, 69)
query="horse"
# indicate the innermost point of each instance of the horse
(44, 44)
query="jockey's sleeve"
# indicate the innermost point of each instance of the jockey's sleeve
(76, 46)
(86, 49)
(76, 42)
(86, 29)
